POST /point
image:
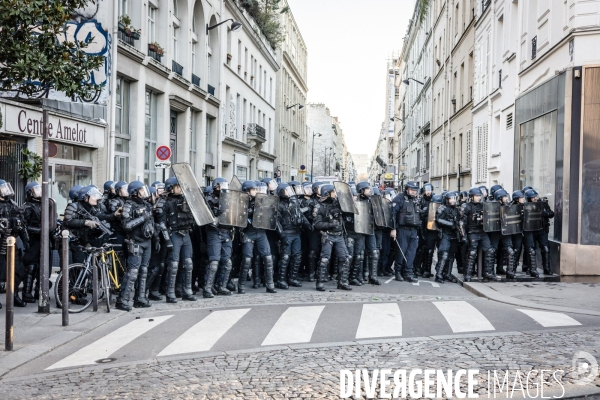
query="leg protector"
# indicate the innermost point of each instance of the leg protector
(284, 262)
(322, 270)
(533, 262)
(223, 279)
(268, 261)
(374, 262)
(427, 263)
(171, 278)
(293, 279)
(312, 265)
(244, 268)
(140, 295)
(546, 260)
(188, 266)
(209, 279)
(343, 271)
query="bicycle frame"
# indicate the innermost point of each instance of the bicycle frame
(113, 272)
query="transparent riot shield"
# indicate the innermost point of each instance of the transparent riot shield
(344, 195)
(265, 212)
(235, 208)
(433, 207)
(363, 221)
(491, 216)
(378, 214)
(510, 219)
(235, 184)
(532, 216)
(193, 194)
(388, 212)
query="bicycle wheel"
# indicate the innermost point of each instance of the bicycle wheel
(106, 286)
(80, 288)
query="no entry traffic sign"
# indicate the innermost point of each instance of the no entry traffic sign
(163, 153)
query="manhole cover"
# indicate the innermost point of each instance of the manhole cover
(105, 360)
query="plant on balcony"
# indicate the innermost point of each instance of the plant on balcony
(266, 14)
(423, 6)
(155, 47)
(128, 29)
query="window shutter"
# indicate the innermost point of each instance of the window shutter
(469, 148)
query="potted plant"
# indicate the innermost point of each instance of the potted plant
(229, 56)
(135, 33)
(124, 22)
(239, 67)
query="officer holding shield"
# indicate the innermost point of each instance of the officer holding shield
(407, 217)
(539, 236)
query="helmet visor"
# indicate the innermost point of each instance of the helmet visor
(308, 190)
(272, 185)
(298, 190)
(6, 190)
(452, 200)
(36, 191)
(123, 191)
(94, 193)
(288, 191)
(262, 189)
(144, 192)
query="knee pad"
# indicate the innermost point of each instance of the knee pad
(324, 261)
(247, 262)
(188, 264)
(473, 253)
(143, 271)
(545, 249)
(285, 258)
(510, 251)
(31, 269)
(213, 266)
(228, 265)
(312, 254)
(374, 254)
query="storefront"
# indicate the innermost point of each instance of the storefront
(75, 146)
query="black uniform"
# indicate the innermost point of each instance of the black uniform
(177, 217)
(32, 213)
(290, 221)
(138, 224)
(11, 224)
(314, 239)
(357, 244)
(76, 214)
(427, 241)
(158, 258)
(541, 238)
(327, 217)
(446, 219)
(407, 217)
(219, 240)
(471, 225)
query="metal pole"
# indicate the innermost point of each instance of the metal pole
(10, 292)
(44, 299)
(94, 284)
(459, 178)
(65, 278)
(312, 159)
(479, 263)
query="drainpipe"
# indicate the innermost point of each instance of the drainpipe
(220, 123)
(111, 110)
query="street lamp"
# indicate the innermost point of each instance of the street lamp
(234, 25)
(312, 158)
(300, 106)
(407, 81)
(396, 119)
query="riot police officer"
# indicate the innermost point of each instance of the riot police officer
(501, 196)
(11, 224)
(327, 217)
(446, 219)
(314, 237)
(252, 238)
(138, 223)
(115, 204)
(109, 194)
(162, 244)
(407, 219)
(540, 236)
(471, 230)
(387, 250)
(32, 217)
(305, 208)
(219, 239)
(518, 197)
(427, 238)
(290, 222)
(177, 217)
(379, 231)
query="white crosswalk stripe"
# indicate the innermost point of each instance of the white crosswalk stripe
(204, 335)
(463, 317)
(550, 319)
(111, 343)
(296, 325)
(380, 320)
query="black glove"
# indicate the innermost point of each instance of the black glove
(217, 212)
(157, 246)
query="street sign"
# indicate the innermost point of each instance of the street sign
(162, 164)
(293, 172)
(163, 153)
(52, 149)
(302, 169)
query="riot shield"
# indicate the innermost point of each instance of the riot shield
(344, 196)
(433, 207)
(363, 220)
(235, 208)
(378, 214)
(387, 212)
(235, 184)
(532, 216)
(510, 219)
(193, 194)
(491, 216)
(265, 212)
(52, 214)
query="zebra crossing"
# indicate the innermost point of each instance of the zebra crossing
(254, 327)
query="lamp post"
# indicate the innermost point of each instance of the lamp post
(234, 25)
(312, 157)
(300, 106)
(407, 81)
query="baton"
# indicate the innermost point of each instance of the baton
(401, 252)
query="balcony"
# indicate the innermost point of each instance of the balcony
(177, 68)
(255, 131)
(154, 52)
(196, 80)
(211, 90)
(128, 39)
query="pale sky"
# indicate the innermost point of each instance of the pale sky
(349, 42)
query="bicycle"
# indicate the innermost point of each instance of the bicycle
(80, 278)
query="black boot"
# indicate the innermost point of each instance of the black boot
(374, 261)
(420, 256)
(439, 267)
(321, 271)
(284, 262)
(268, 261)
(257, 274)
(516, 258)
(141, 301)
(153, 282)
(293, 279)
(428, 262)
(546, 260)
(127, 287)
(28, 286)
(223, 279)
(510, 263)
(470, 267)
(500, 260)
(356, 270)
(526, 261)
(209, 279)
(17, 300)
(448, 270)
(533, 259)
(171, 281)
(343, 270)
(244, 268)
(363, 272)
(188, 267)
(488, 265)
(312, 265)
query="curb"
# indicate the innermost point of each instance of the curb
(485, 291)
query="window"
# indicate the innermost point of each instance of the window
(175, 42)
(122, 7)
(175, 8)
(173, 136)
(193, 141)
(469, 148)
(210, 122)
(122, 107)
(482, 153)
(150, 137)
(151, 24)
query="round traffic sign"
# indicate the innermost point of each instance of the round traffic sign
(163, 153)
(303, 167)
(52, 149)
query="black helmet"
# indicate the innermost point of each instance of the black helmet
(221, 184)
(526, 188)
(362, 186)
(484, 190)
(451, 198)
(121, 188)
(285, 191)
(464, 195)
(326, 190)
(411, 185)
(169, 183)
(495, 188)
(85, 193)
(428, 187)
(137, 188)
(108, 185)
(247, 185)
(316, 188)
(74, 191)
(33, 190)
(518, 194)
(271, 183)
(499, 194)
(475, 191)
(375, 191)
(158, 185)
(437, 199)
(6, 189)
(531, 194)
(307, 188)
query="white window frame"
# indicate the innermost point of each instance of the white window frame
(151, 23)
